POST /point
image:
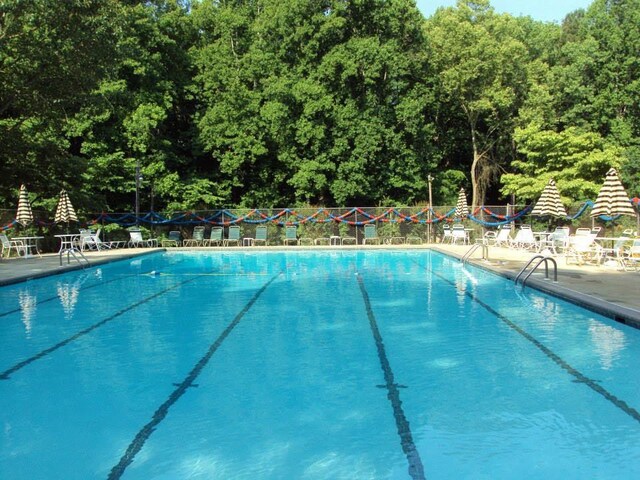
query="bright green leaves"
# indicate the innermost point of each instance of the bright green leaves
(576, 160)
(307, 110)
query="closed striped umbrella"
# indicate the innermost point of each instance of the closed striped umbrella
(549, 203)
(612, 199)
(65, 211)
(24, 216)
(462, 209)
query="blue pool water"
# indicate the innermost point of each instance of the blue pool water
(310, 365)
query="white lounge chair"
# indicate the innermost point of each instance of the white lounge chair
(136, 240)
(524, 239)
(87, 240)
(447, 237)
(102, 244)
(503, 238)
(583, 249)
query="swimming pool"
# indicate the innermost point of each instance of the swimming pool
(310, 365)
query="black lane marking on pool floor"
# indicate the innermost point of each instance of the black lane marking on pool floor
(93, 285)
(579, 376)
(416, 469)
(159, 415)
(55, 297)
(5, 375)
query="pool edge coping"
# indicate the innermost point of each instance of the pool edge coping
(615, 312)
(76, 266)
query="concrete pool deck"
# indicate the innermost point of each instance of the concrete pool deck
(607, 290)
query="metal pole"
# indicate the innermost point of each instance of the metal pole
(137, 191)
(429, 225)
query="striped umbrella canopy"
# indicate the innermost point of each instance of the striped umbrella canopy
(549, 203)
(462, 209)
(612, 199)
(65, 211)
(24, 216)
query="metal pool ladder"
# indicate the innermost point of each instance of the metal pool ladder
(540, 259)
(72, 252)
(485, 252)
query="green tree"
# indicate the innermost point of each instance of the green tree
(314, 102)
(576, 160)
(142, 112)
(481, 67)
(52, 56)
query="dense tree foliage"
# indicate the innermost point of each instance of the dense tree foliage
(261, 103)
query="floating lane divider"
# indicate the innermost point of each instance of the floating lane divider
(145, 432)
(6, 374)
(579, 376)
(416, 470)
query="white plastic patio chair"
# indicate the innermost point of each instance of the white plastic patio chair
(459, 234)
(88, 241)
(447, 237)
(8, 245)
(136, 240)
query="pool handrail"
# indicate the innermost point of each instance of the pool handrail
(541, 258)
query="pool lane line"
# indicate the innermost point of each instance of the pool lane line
(159, 415)
(6, 374)
(416, 469)
(579, 376)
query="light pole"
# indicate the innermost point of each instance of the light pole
(429, 180)
(138, 178)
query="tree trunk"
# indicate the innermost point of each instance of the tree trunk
(474, 166)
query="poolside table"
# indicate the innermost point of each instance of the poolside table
(542, 239)
(30, 244)
(68, 241)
